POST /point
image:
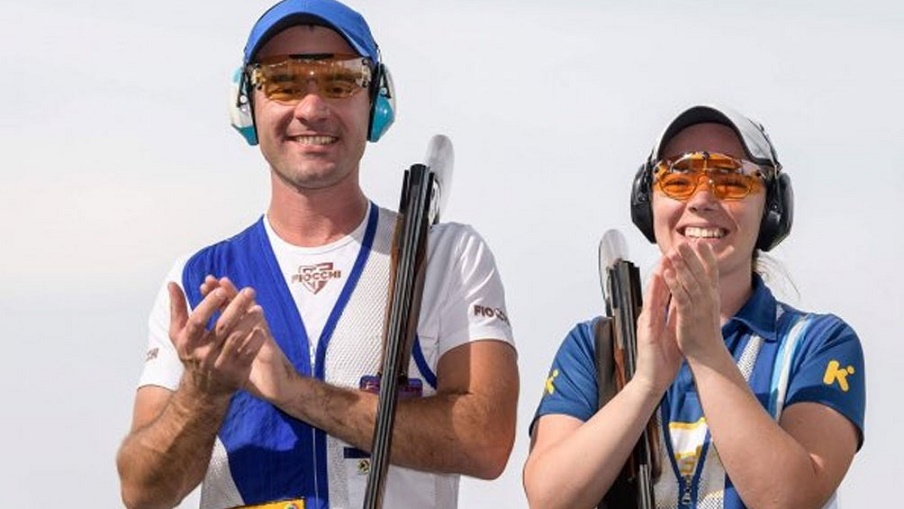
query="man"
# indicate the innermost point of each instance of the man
(251, 385)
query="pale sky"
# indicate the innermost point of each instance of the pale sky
(118, 157)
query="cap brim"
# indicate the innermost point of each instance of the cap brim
(757, 146)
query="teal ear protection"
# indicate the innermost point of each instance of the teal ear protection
(382, 105)
(240, 113)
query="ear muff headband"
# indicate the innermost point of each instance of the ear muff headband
(778, 213)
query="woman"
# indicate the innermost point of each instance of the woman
(758, 404)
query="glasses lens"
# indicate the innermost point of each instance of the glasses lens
(679, 186)
(729, 178)
(289, 78)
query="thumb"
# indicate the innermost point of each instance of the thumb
(178, 309)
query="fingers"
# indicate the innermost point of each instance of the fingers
(239, 329)
(243, 343)
(235, 310)
(188, 330)
(230, 288)
(672, 316)
(710, 263)
(196, 325)
(652, 303)
(670, 269)
(690, 271)
(208, 285)
(218, 360)
(178, 309)
(655, 301)
(687, 268)
(211, 283)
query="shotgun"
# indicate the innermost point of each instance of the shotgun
(616, 359)
(424, 195)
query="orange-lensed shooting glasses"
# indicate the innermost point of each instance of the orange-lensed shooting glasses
(729, 178)
(288, 78)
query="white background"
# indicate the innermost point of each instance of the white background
(117, 157)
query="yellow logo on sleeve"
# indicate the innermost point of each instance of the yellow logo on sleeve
(835, 373)
(550, 386)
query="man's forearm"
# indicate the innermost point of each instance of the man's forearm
(162, 461)
(450, 432)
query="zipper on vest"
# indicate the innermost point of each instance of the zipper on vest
(686, 498)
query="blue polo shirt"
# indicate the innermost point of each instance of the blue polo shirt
(786, 355)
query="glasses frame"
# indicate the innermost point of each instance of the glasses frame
(754, 176)
(260, 74)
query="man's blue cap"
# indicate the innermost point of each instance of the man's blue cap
(330, 13)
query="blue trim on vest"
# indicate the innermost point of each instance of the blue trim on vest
(347, 290)
(421, 362)
(698, 468)
(730, 497)
(327, 334)
(273, 456)
(669, 449)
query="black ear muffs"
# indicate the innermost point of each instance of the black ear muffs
(641, 206)
(778, 214)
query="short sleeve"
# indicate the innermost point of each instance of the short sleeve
(829, 370)
(162, 366)
(464, 298)
(570, 387)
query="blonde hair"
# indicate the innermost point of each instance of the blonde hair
(775, 275)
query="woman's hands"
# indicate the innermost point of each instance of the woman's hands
(681, 314)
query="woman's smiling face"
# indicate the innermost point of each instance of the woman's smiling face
(730, 227)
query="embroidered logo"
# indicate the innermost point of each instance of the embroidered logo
(315, 277)
(152, 354)
(550, 382)
(835, 373)
(364, 466)
(490, 313)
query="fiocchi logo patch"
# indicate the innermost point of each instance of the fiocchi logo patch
(315, 277)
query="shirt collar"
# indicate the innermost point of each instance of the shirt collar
(758, 313)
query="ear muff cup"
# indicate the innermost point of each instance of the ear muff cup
(641, 206)
(778, 214)
(382, 104)
(240, 109)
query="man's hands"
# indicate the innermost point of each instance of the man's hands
(217, 361)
